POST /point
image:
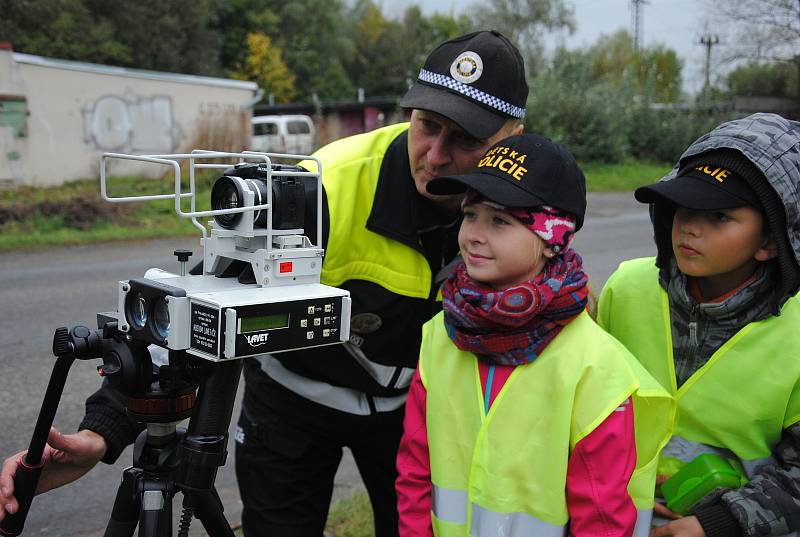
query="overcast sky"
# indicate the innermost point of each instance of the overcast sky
(675, 23)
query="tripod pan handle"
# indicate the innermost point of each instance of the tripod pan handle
(25, 481)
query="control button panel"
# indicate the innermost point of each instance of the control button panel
(321, 321)
(288, 325)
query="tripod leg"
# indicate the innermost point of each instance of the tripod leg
(156, 515)
(207, 508)
(125, 514)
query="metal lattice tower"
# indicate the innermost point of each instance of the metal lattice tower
(708, 41)
(637, 22)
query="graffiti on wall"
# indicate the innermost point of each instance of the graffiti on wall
(131, 125)
(11, 165)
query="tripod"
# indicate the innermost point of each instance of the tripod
(166, 460)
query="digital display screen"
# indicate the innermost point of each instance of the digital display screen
(264, 322)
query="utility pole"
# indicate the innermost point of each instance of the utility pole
(636, 22)
(708, 41)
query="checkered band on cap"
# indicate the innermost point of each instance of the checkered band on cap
(473, 93)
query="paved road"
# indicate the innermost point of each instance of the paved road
(41, 291)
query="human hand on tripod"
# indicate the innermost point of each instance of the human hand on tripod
(66, 458)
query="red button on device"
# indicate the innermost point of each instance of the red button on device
(285, 267)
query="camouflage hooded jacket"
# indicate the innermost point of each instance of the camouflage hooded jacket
(769, 505)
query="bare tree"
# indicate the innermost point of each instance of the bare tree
(761, 30)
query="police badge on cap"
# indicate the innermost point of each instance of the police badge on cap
(467, 68)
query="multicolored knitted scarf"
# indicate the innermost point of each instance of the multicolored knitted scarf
(513, 326)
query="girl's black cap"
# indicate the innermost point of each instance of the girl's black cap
(524, 171)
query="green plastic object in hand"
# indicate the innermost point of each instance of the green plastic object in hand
(699, 478)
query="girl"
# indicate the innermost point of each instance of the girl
(520, 418)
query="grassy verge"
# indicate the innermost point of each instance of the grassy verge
(349, 517)
(74, 213)
(622, 177)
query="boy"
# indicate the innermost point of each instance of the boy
(520, 419)
(715, 319)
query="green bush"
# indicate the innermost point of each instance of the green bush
(567, 106)
(663, 135)
(605, 119)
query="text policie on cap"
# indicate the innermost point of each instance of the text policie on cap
(506, 160)
(717, 173)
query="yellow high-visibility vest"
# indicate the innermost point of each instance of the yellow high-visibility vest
(504, 473)
(354, 252)
(740, 401)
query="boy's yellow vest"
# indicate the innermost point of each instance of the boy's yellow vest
(354, 252)
(505, 473)
(739, 402)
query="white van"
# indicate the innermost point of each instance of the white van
(293, 134)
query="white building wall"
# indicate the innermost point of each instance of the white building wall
(78, 111)
(12, 148)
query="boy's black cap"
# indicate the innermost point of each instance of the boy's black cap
(767, 201)
(476, 80)
(701, 186)
(524, 171)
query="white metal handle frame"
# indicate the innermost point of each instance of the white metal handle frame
(172, 161)
(176, 170)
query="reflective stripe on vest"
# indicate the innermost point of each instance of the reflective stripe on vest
(451, 506)
(351, 168)
(382, 374)
(644, 520)
(478, 452)
(741, 399)
(487, 523)
(685, 451)
(336, 397)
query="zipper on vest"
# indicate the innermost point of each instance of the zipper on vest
(690, 355)
(488, 395)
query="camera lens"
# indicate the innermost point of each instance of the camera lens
(230, 198)
(137, 311)
(161, 318)
(227, 194)
(292, 197)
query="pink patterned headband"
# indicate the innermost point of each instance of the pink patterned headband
(554, 226)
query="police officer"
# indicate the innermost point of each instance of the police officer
(386, 238)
